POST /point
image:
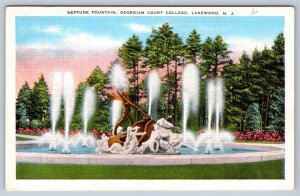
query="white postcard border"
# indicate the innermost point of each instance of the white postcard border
(83, 185)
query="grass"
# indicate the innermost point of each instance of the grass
(258, 170)
(22, 138)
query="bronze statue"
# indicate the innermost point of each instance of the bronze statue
(146, 124)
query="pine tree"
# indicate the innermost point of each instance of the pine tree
(40, 103)
(277, 111)
(279, 53)
(214, 54)
(131, 53)
(178, 51)
(193, 45)
(23, 106)
(100, 120)
(157, 52)
(253, 118)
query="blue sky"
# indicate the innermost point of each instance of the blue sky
(32, 30)
(78, 43)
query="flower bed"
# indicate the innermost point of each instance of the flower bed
(262, 135)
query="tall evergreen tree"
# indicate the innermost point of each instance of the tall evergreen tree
(131, 52)
(214, 54)
(177, 51)
(277, 111)
(40, 102)
(163, 47)
(100, 120)
(23, 106)
(193, 44)
(253, 119)
(279, 53)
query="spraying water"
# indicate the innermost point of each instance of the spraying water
(88, 110)
(219, 109)
(118, 79)
(190, 94)
(69, 102)
(153, 91)
(56, 97)
(211, 94)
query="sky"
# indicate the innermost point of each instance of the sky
(78, 44)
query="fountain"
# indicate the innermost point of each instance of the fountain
(69, 102)
(56, 97)
(190, 95)
(154, 84)
(88, 110)
(117, 79)
(215, 100)
(211, 95)
(219, 110)
(144, 136)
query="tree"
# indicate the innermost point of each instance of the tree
(177, 51)
(253, 118)
(40, 102)
(279, 53)
(193, 45)
(131, 53)
(100, 120)
(277, 111)
(165, 48)
(23, 106)
(77, 122)
(214, 54)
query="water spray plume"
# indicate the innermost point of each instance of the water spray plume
(89, 100)
(69, 102)
(56, 98)
(154, 84)
(211, 95)
(190, 93)
(219, 109)
(117, 79)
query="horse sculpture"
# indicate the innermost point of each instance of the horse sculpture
(145, 125)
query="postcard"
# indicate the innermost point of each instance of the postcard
(149, 98)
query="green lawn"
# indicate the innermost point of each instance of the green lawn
(22, 139)
(259, 170)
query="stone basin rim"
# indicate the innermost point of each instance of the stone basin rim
(268, 152)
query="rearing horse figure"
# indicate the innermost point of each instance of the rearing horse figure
(146, 124)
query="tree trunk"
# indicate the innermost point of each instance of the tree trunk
(267, 108)
(168, 93)
(216, 66)
(176, 90)
(137, 88)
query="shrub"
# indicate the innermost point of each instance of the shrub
(253, 118)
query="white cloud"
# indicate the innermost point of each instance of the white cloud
(247, 44)
(139, 28)
(77, 41)
(51, 30)
(238, 45)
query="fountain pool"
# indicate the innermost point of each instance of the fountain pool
(91, 150)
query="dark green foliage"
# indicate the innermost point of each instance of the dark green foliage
(256, 80)
(214, 53)
(253, 118)
(193, 45)
(23, 106)
(77, 123)
(40, 102)
(131, 53)
(277, 111)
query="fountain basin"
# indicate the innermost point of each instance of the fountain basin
(251, 153)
